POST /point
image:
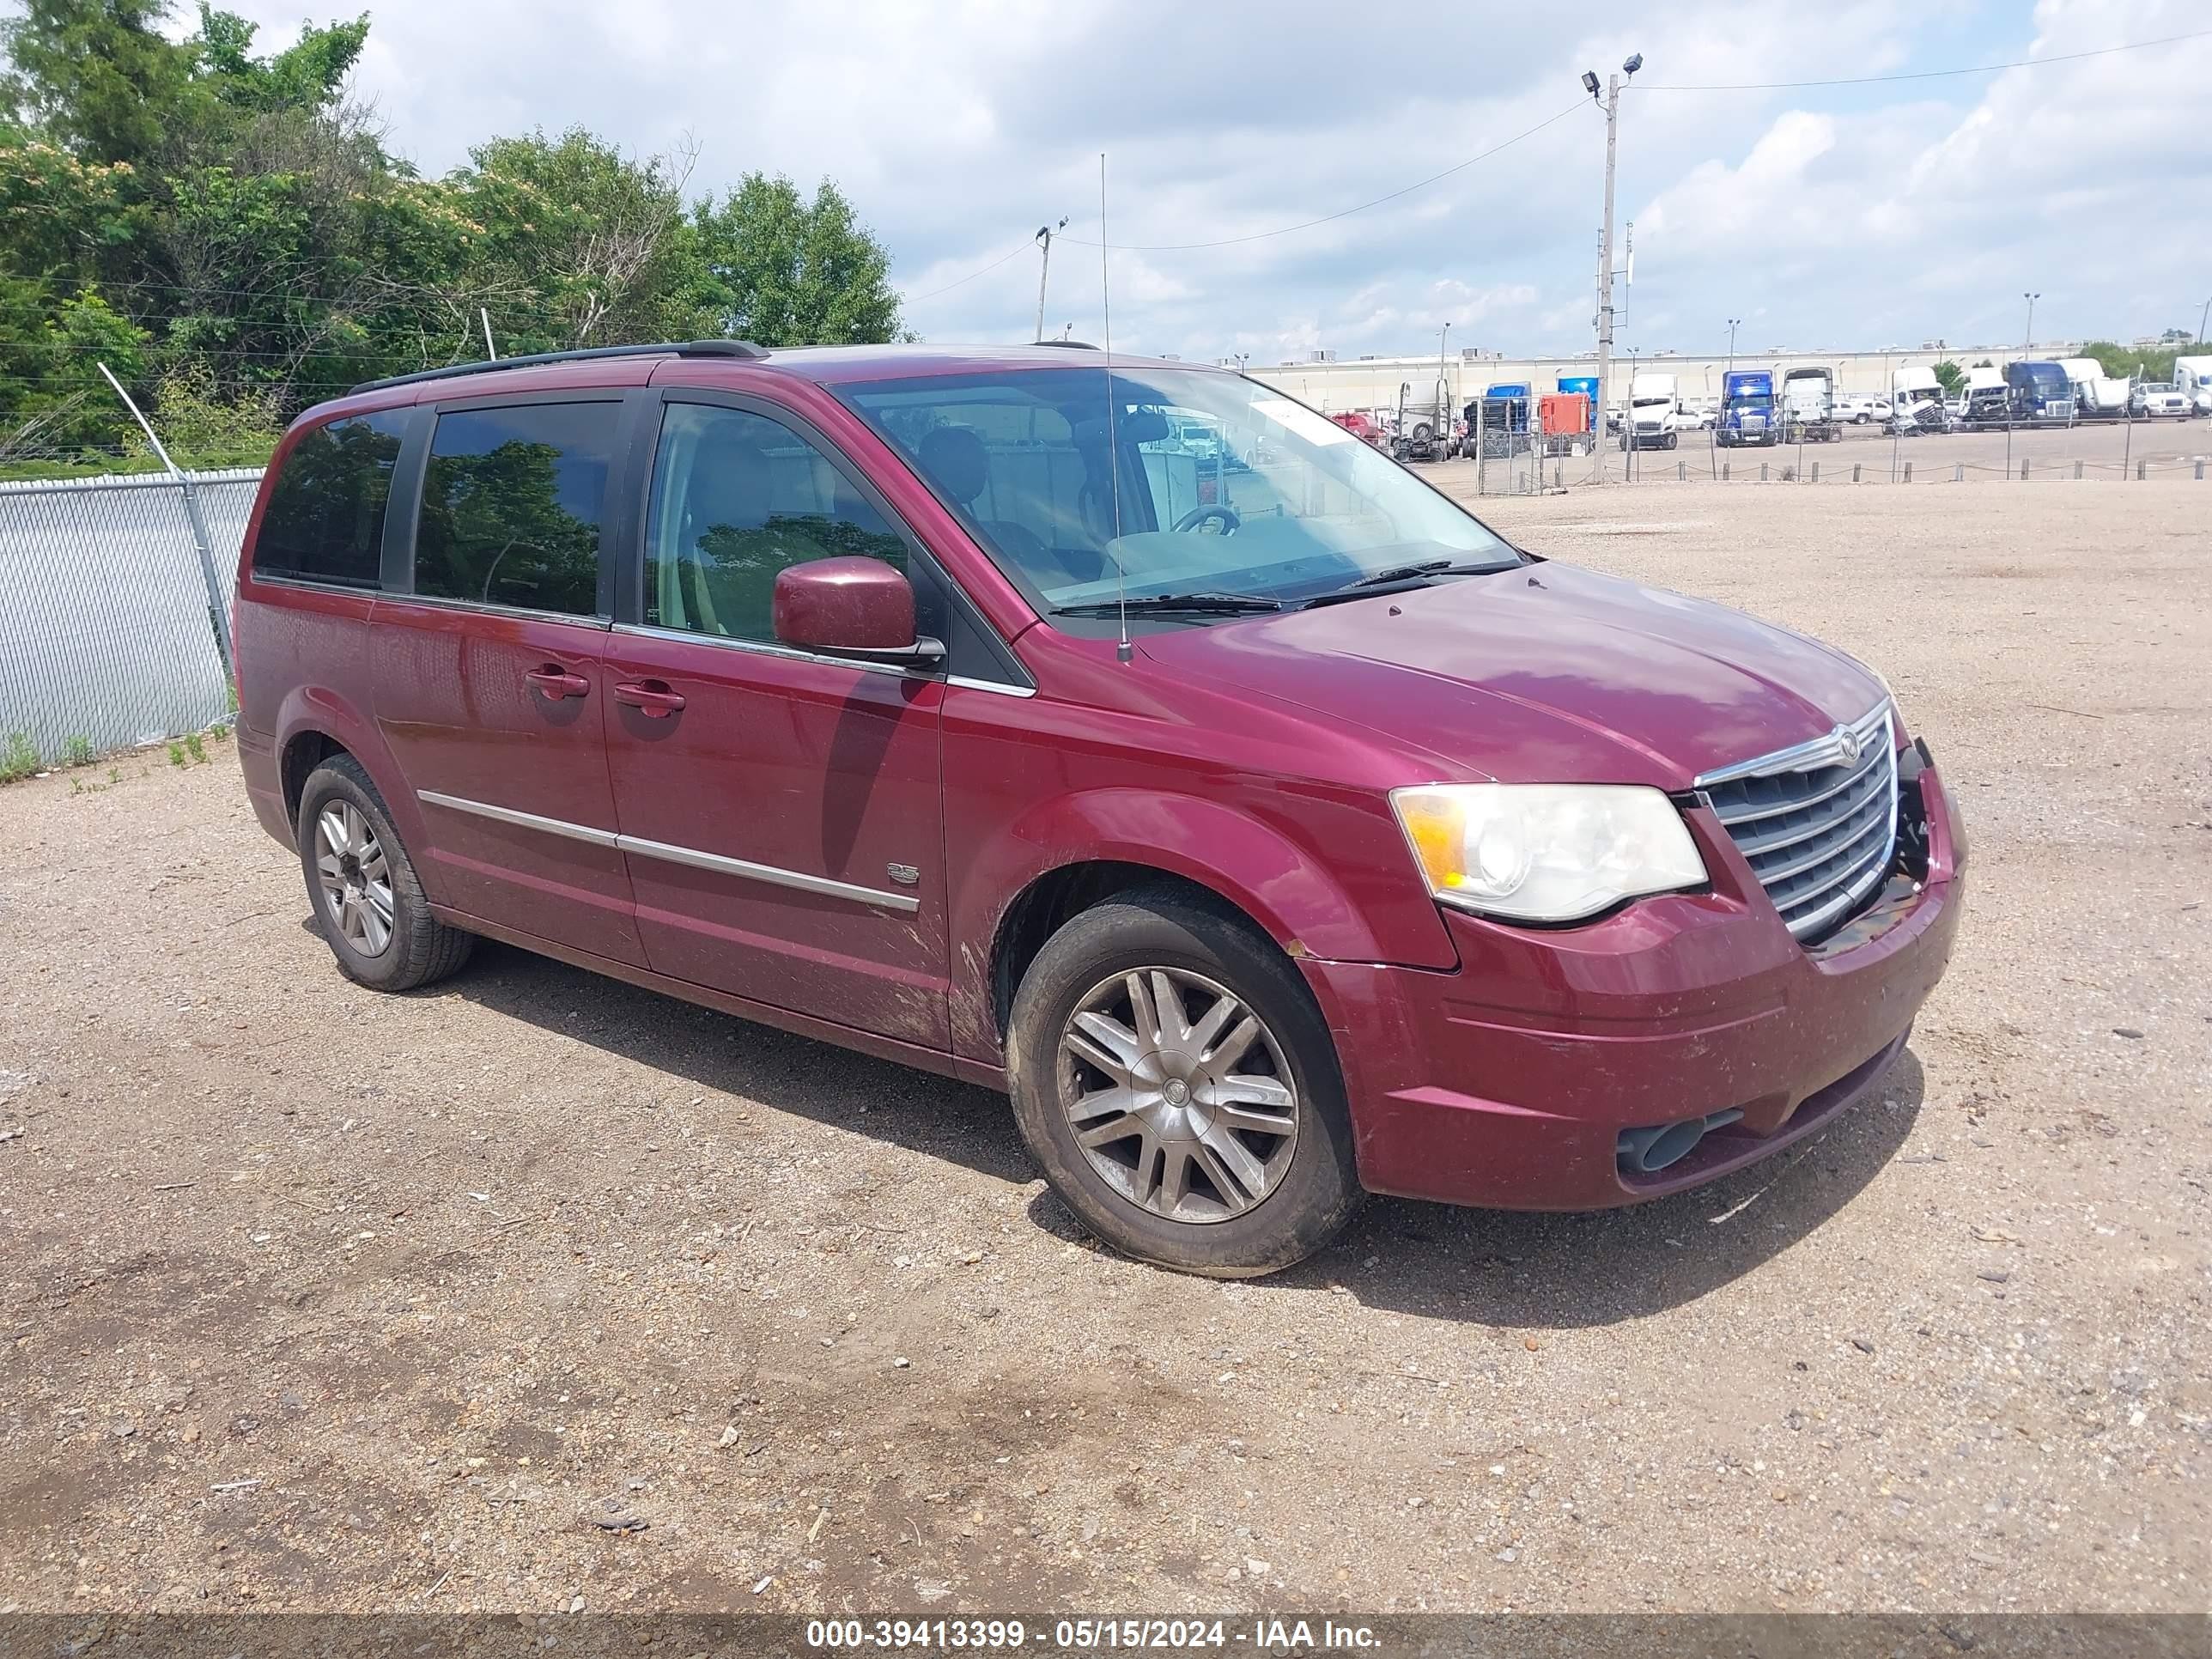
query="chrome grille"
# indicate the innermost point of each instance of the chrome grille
(1816, 822)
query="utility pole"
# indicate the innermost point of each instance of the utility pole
(1044, 268)
(1605, 251)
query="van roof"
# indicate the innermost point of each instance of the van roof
(714, 360)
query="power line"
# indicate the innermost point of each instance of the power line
(915, 300)
(1923, 75)
(1346, 213)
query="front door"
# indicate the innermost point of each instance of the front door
(779, 812)
(490, 678)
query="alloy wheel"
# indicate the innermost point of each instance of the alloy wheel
(354, 876)
(1178, 1094)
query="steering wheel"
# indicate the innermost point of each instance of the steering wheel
(1225, 516)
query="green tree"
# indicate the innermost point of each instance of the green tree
(56, 401)
(578, 244)
(782, 271)
(97, 76)
(227, 227)
(1951, 378)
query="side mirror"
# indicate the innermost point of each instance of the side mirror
(850, 607)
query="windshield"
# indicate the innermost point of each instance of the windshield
(1218, 484)
(1741, 398)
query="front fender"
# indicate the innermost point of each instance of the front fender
(1352, 907)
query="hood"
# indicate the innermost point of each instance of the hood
(1542, 673)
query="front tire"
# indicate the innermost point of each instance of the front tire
(1174, 1079)
(368, 903)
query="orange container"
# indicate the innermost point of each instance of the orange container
(1564, 412)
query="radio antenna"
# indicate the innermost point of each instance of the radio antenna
(1113, 436)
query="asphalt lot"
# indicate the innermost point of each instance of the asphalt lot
(2106, 453)
(320, 1299)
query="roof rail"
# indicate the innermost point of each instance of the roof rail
(677, 349)
(1072, 345)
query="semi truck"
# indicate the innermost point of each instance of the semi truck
(1747, 413)
(2097, 396)
(1809, 406)
(2192, 377)
(1654, 413)
(1988, 400)
(2040, 393)
(1915, 401)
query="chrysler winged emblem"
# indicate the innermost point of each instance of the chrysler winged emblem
(1847, 744)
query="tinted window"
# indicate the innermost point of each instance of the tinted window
(737, 497)
(511, 507)
(325, 517)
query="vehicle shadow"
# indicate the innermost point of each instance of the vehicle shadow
(1536, 1273)
(934, 1115)
(1499, 1267)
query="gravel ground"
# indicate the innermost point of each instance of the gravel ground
(538, 1292)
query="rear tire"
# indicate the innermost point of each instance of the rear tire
(368, 903)
(1283, 1181)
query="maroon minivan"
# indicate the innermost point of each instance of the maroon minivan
(1120, 733)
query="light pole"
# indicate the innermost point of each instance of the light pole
(2028, 344)
(2202, 317)
(1605, 244)
(1733, 323)
(1443, 397)
(1044, 268)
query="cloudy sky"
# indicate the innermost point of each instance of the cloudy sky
(1826, 216)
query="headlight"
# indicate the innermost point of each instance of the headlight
(1546, 851)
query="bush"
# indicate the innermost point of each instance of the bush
(19, 757)
(200, 428)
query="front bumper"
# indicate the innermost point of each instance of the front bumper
(1507, 1083)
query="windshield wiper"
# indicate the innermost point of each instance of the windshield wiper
(1165, 604)
(1401, 573)
(1404, 575)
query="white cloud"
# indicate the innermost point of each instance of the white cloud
(1847, 216)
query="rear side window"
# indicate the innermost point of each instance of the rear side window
(325, 517)
(511, 506)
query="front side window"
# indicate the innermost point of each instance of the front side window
(737, 497)
(1210, 483)
(511, 505)
(325, 518)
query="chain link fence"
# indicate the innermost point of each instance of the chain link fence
(105, 639)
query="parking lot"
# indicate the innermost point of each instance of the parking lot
(2107, 452)
(537, 1290)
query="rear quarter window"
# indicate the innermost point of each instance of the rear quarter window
(325, 521)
